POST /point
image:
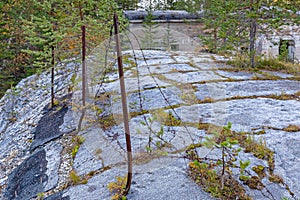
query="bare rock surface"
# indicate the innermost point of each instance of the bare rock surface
(169, 97)
(246, 89)
(48, 127)
(21, 110)
(244, 114)
(27, 180)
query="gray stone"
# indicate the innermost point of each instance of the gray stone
(96, 188)
(182, 68)
(236, 75)
(53, 158)
(166, 68)
(155, 176)
(244, 114)
(132, 84)
(179, 137)
(207, 66)
(153, 99)
(151, 184)
(202, 59)
(69, 123)
(27, 105)
(96, 152)
(182, 59)
(284, 159)
(193, 77)
(85, 162)
(27, 180)
(278, 74)
(155, 62)
(148, 54)
(224, 90)
(48, 127)
(212, 66)
(287, 160)
(156, 184)
(57, 196)
(147, 100)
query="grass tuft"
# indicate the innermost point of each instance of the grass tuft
(292, 128)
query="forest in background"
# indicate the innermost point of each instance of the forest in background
(35, 34)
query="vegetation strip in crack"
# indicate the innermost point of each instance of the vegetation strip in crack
(216, 176)
(272, 96)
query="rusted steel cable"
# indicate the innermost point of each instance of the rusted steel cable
(157, 85)
(124, 105)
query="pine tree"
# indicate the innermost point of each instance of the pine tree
(128, 4)
(32, 30)
(14, 63)
(219, 26)
(234, 24)
(44, 36)
(149, 40)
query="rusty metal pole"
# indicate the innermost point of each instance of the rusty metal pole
(52, 76)
(124, 105)
(84, 84)
(83, 42)
(52, 62)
